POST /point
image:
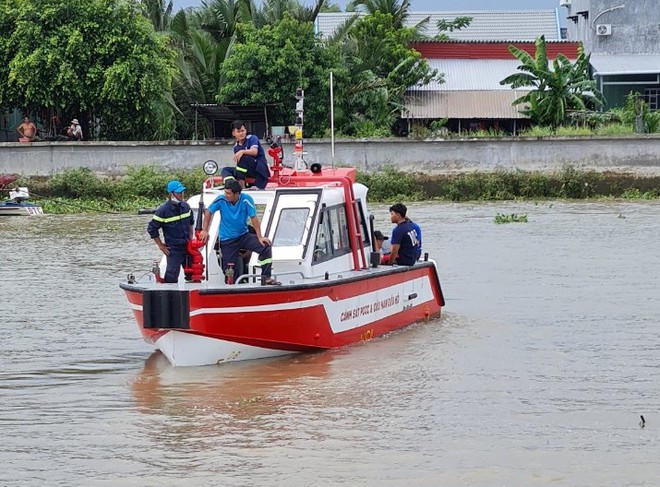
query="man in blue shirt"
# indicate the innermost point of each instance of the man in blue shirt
(249, 157)
(404, 237)
(176, 220)
(235, 208)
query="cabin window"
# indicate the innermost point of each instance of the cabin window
(340, 237)
(291, 227)
(332, 237)
(323, 247)
(363, 224)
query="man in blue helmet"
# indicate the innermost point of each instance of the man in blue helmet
(176, 220)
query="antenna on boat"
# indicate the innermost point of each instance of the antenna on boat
(298, 147)
(332, 120)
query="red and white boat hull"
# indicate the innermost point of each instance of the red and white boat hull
(197, 325)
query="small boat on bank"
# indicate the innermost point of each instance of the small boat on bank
(333, 291)
(17, 204)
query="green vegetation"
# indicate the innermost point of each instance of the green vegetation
(555, 88)
(501, 218)
(89, 59)
(81, 190)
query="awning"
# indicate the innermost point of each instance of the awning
(462, 104)
(229, 113)
(621, 64)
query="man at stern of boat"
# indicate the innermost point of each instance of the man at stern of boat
(404, 237)
(176, 220)
(235, 207)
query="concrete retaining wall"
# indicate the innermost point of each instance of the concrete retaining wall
(639, 155)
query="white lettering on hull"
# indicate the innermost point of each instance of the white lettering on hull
(353, 312)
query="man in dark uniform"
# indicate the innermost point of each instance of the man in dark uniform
(249, 157)
(176, 220)
(405, 243)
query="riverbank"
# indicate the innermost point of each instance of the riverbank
(638, 155)
(82, 190)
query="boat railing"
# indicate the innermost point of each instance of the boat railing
(258, 277)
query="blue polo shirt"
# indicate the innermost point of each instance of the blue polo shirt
(233, 217)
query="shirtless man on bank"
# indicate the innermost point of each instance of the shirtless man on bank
(27, 130)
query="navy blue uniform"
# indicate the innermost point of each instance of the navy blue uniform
(248, 166)
(405, 235)
(176, 222)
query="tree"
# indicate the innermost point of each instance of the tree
(399, 10)
(97, 60)
(159, 12)
(554, 90)
(457, 24)
(267, 65)
(380, 68)
(274, 10)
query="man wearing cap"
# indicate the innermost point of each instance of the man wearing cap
(382, 246)
(176, 220)
(235, 208)
(404, 237)
(75, 131)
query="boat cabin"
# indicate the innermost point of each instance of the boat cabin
(309, 225)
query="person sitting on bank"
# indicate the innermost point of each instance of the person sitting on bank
(383, 246)
(74, 132)
(235, 207)
(27, 131)
(404, 237)
(249, 157)
(177, 221)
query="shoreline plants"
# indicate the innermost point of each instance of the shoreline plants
(82, 190)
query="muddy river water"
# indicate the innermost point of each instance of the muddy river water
(537, 374)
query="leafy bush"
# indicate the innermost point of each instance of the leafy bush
(79, 183)
(392, 185)
(577, 184)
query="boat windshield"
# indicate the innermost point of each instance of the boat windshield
(291, 227)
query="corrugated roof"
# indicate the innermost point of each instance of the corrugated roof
(605, 64)
(491, 49)
(503, 25)
(479, 104)
(471, 74)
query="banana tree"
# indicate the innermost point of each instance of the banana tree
(556, 87)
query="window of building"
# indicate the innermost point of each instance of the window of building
(652, 97)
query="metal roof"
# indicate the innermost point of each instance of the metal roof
(486, 25)
(478, 104)
(609, 64)
(213, 111)
(471, 74)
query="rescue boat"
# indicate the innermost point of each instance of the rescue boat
(17, 204)
(333, 290)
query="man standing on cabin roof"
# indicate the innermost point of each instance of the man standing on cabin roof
(176, 220)
(404, 237)
(235, 208)
(249, 157)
